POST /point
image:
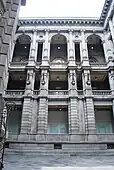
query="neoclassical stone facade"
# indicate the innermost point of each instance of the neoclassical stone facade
(61, 78)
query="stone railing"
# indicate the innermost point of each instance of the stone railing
(101, 92)
(98, 64)
(14, 92)
(36, 92)
(58, 92)
(24, 63)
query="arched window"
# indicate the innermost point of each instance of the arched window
(22, 48)
(95, 49)
(58, 47)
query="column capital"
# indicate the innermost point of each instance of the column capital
(82, 30)
(46, 30)
(70, 30)
(34, 30)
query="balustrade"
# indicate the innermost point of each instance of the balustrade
(101, 92)
(14, 92)
(58, 92)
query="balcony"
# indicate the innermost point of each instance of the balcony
(18, 64)
(98, 65)
(58, 93)
(102, 93)
(14, 93)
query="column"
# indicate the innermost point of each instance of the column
(81, 116)
(73, 105)
(33, 49)
(111, 81)
(87, 89)
(45, 58)
(26, 116)
(42, 117)
(30, 83)
(111, 29)
(34, 117)
(71, 57)
(107, 45)
(73, 116)
(90, 127)
(72, 83)
(83, 45)
(43, 103)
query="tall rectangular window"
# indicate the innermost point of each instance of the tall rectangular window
(77, 52)
(39, 51)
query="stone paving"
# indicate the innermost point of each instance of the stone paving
(62, 162)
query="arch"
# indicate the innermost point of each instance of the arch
(58, 47)
(22, 48)
(95, 48)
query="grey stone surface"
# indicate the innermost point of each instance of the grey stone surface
(30, 162)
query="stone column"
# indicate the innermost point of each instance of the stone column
(111, 29)
(84, 57)
(33, 49)
(71, 49)
(108, 47)
(43, 103)
(72, 83)
(73, 107)
(26, 116)
(34, 117)
(45, 58)
(30, 83)
(89, 106)
(42, 117)
(111, 81)
(81, 116)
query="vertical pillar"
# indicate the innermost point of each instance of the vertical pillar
(73, 113)
(26, 116)
(73, 116)
(34, 117)
(111, 81)
(111, 29)
(90, 127)
(71, 57)
(45, 58)
(107, 45)
(43, 103)
(33, 49)
(81, 116)
(30, 83)
(84, 57)
(42, 117)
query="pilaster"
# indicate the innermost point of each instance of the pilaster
(72, 83)
(34, 117)
(81, 116)
(84, 57)
(26, 116)
(73, 116)
(30, 82)
(71, 56)
(86, 78)
(44, 83)
(33, 49)
(107, 45)
(43, 116)
(45, 58)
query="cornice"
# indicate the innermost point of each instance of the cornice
(60, 21)
(105, 10)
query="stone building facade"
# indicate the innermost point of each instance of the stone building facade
(60, 75)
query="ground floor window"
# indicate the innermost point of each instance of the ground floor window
(14, 121)
(104, 120)
(57, 120)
